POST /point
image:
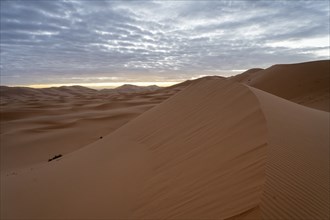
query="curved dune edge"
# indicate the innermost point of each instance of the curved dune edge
(297, 167)
(230, 156)
(200, 154)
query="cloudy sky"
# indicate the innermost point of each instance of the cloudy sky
(47, 42)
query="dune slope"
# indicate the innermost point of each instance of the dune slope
(208, 153)
(297, 168)
(200, 154)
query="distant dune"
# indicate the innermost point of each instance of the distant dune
(63, 119)
(252, 146)
(303, 83)
(10, 94)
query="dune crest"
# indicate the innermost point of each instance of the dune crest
(193, 163)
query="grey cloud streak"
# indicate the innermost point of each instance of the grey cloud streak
(49, 41)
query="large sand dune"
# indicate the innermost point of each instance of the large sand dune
(211, 148)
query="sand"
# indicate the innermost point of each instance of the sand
(297, 169)
(51, 124)
(304, 83)
(211, 148)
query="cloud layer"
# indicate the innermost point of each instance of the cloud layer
(92, 41)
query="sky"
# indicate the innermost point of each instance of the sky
(106, 43)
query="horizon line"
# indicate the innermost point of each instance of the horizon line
(99, 85)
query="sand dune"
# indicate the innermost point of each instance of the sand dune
(191, 164)
(127, 88)
(165, 170)
(63, 93)
(211, 148)
(303, 83)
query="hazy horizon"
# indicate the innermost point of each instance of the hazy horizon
(97, 86)
(112, 85)
(46, 43)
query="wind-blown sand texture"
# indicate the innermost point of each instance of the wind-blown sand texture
(211, 148)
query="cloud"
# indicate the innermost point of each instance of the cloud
(54, 41)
